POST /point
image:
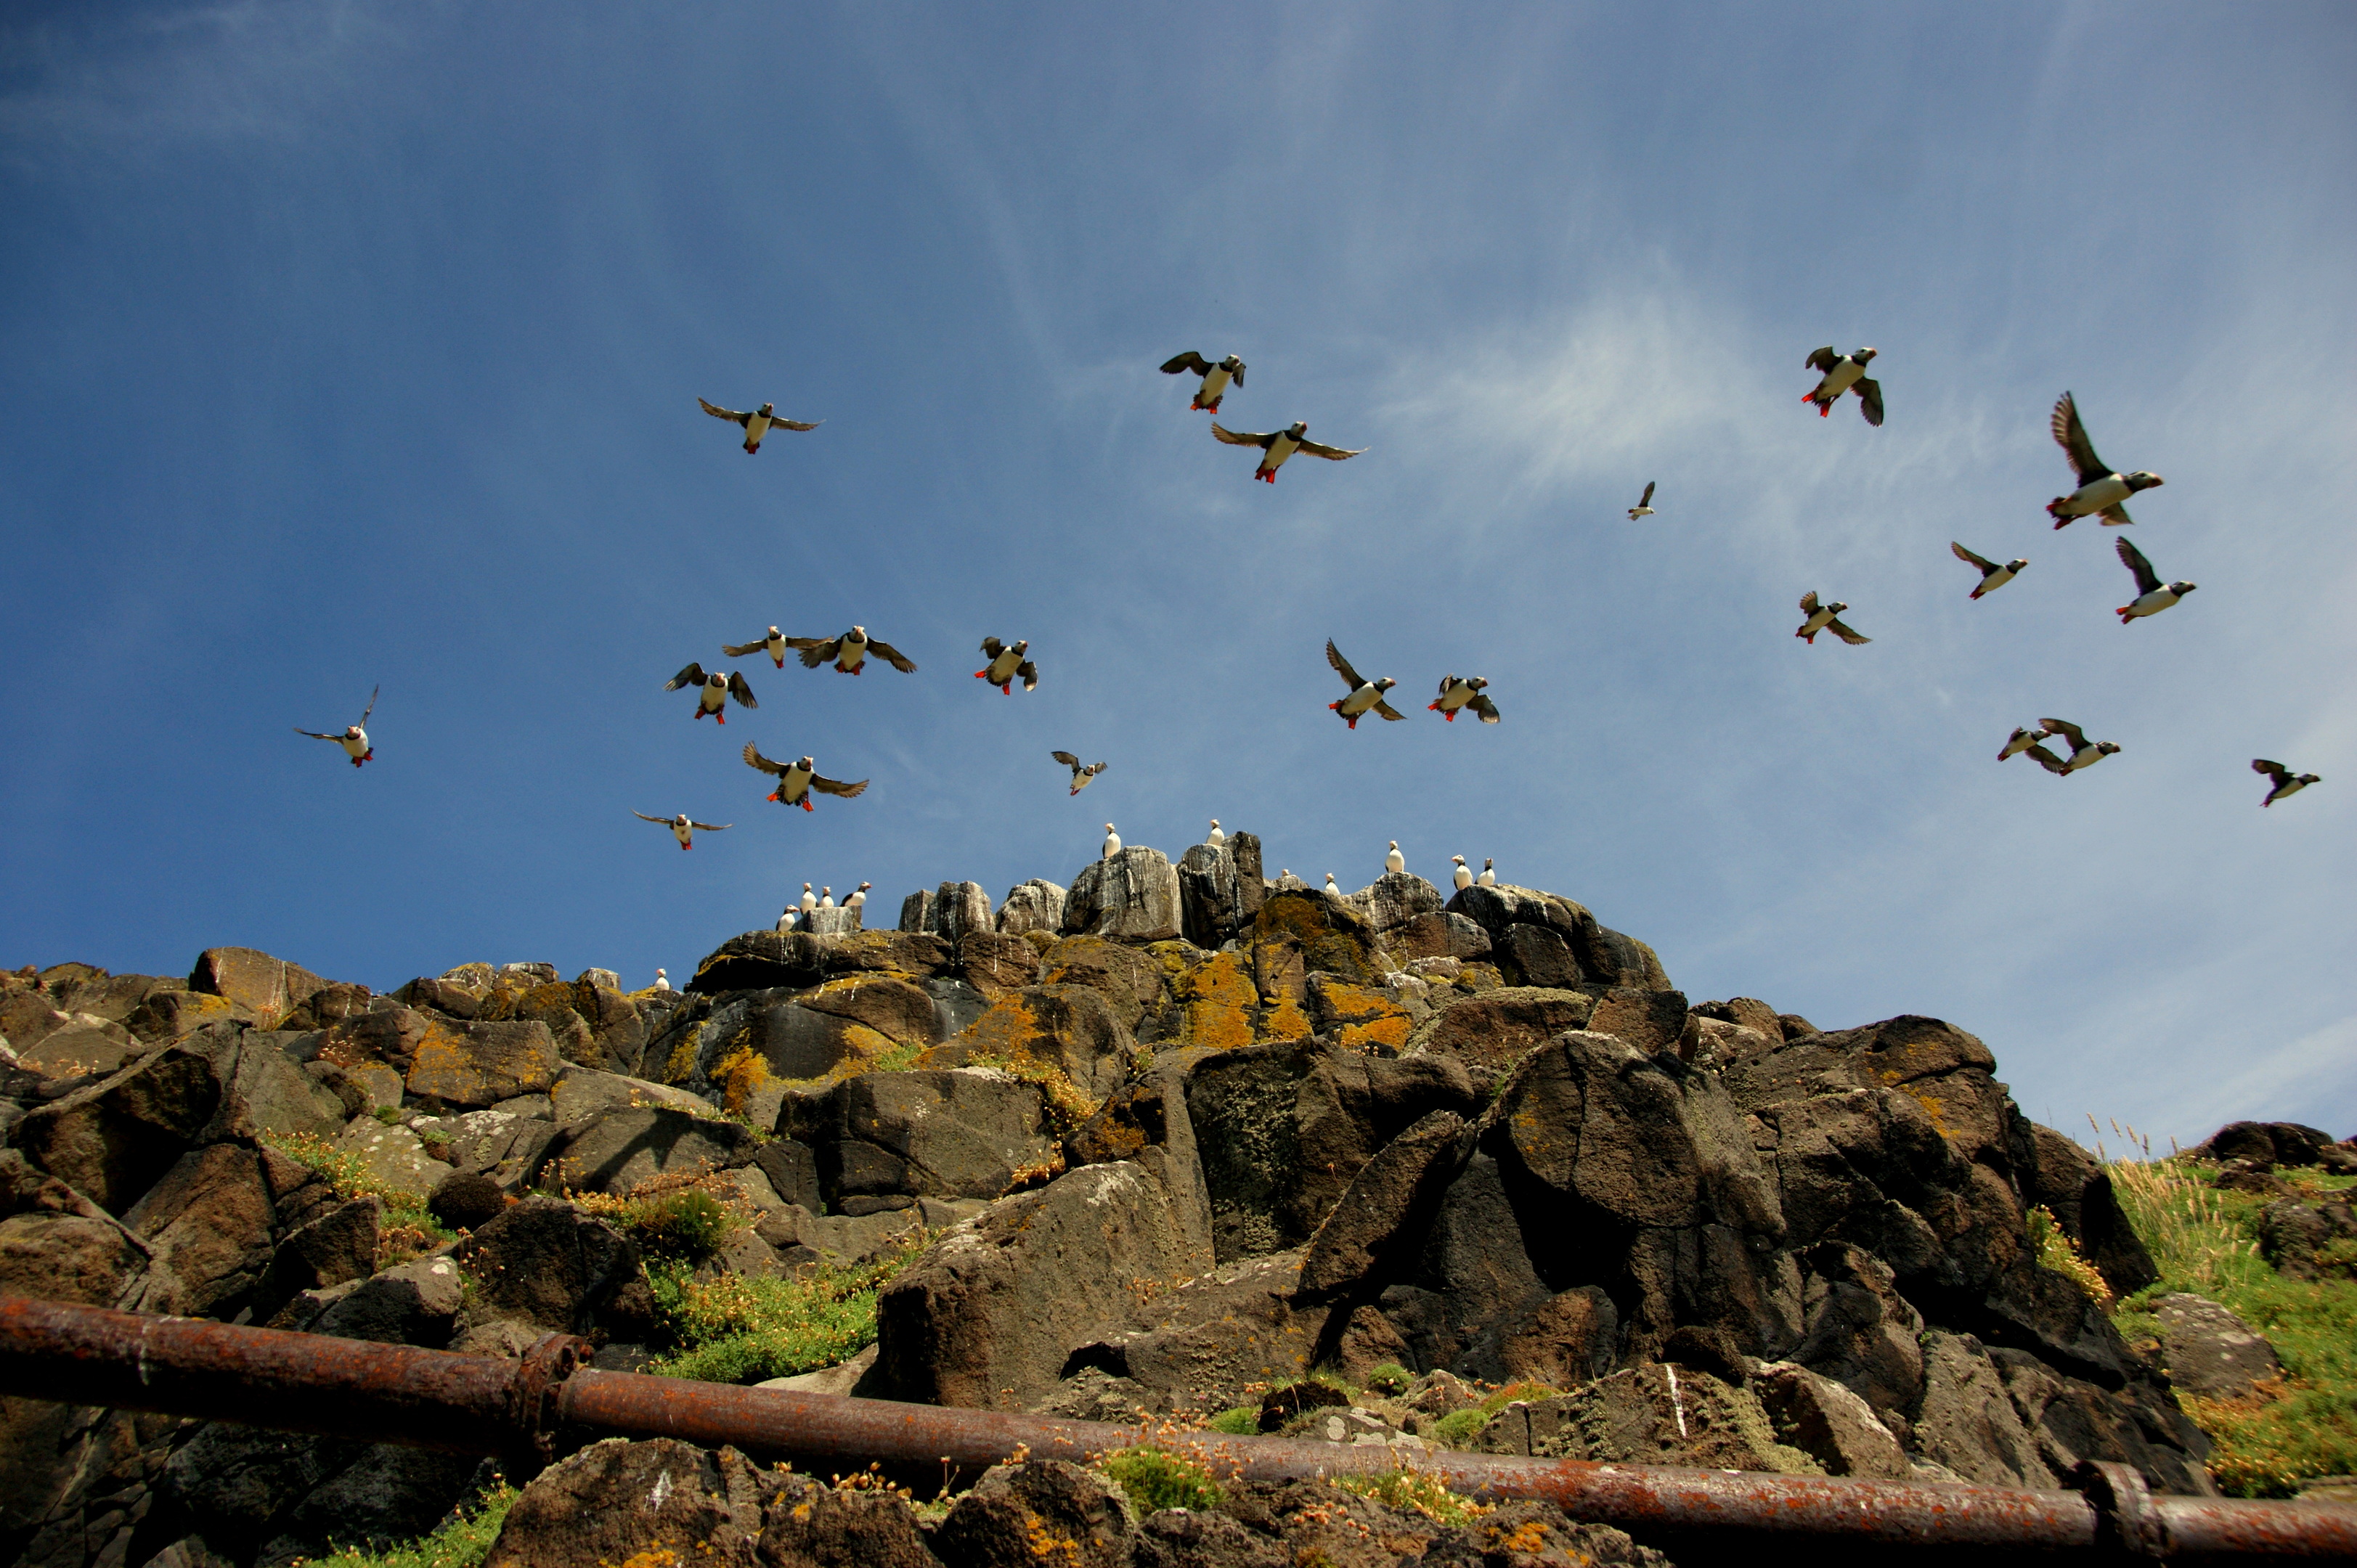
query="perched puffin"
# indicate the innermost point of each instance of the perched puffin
(662, 981)
(789, 916)
(354, 740)
(1456, 694)
(2153, 596)
(1333, 891)
(758, 424)
(1394, 862)
(1843, 372)
(2084, 753)
(1489, 877)
(1112, 843)
(826, 897)
(1006, 664)
(2286, 781)
(2019, 741)
(1993, 576)
(849, 652)
(681, 829)
(1288, 883)
(2102, 488)
(713, 690)
(796, 780)
(858, 899)
(1279, 445)
(1081, 775)
(1824, 618)
(1365, 696)
(1215, 838)
(773, 645)
(1215, 377)
(1644, 507)
(1463, 877)
(809, 899)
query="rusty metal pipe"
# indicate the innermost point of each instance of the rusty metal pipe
(477, 1404)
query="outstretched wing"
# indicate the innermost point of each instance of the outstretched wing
(795, 424)
(2066, 730)
(729, 415)
(644, 818)
(1809, 602)
(2048, 760)
(1647, 498)
(1350, 677)
(836, 787)
(1095, 768)
(1237, 375)
(740, 691)
(992, 647)
(1482, 705)
(1846, 634)
(1332, 454)
(892, 656)
(371, 705)
(738, 650)
(1243, 439)
(2114, 515)
(1870, 395)
(816, 650)
(315, 734)
(691, 676)
(2147, 579)
(2072, 436)
(1029, 672)
(1066, 758)
(1387, 710)
(1191, 361)
(1822, 360)
(2275, 770)
(711, 827)
(753, 758)
(1983, 563)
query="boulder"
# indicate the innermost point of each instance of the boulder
(2310, 1241)
(1033, 906)
(2211, 1351)
(1860, 1331)
(1495, 1030)
(339, 1245)
(167, 1014)
(1828, 1423)
(210, 1220)
(1965, 1421)
(1605, 956)
(1652, 1021)
(112, 1140)
(2270, 1146)
(475, 1065)
(545, 1264)
(994, 964)
(989, 1314)
(393, 1157)
(1067, 1029)
(1133, 898)
(766, 960)
(1383, 1207)
(842, 920)
(506, 1146)
(960, 1134)
(415, 1304)
(619, 1150)
(1013, 1508)
(826, 1527)
(1218, 896)
(1297, 933)
(81, 1045)
(1214, 1341)
(466, 1200)
(1130, 977)
(2054, 1173)
(1393, 899)
(584, 1093)
(1571, 1338)
(1649, 1416)
(265, 988)
(1443, 935)
(650, 1503)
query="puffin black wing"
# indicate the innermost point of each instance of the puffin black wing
(691, 676)
(795, 424)
(1869, 397)
(1985, 565)
(1245, 438)
(644, 818)
(2275, 770)
(753, 758)
(2072, 436)
(892, 656)
(1029, 674)
(1335, 454)
(1066, 758)
(315, 734)
(1809, 602)
(1190, 360)
(1821, 361)
(2147, 581)
(711, 827)
(738, 650)
(2066, 730)
(371, 705)
(815, 651)
(1482, 705)
(2047, 759)
(1387, 710)
(992, 647)
(729, 415)
(836, 786)
(1647, 498)
(1846, 633)
(1350, 677)
(738, 688)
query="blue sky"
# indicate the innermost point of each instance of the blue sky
(353, 343)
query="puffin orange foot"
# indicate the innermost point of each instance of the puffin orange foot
(1450, 717)
(807, 806)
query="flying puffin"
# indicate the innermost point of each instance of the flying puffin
(796, 780)
(1456, 694)
(2084, 753)
(758, 424)
(858, 899)
(1081, 775)
(1279, 445)
(2286, 781)
(1463, 875)
(714, 691)
(2102, 488)
(354, 740)
(773, 645)
(1215, 838)
(1644, 507)
(1006, 664)
(1825, 618)
(681, 829)
(1993, 576)
(2153, 596)
(1112, 843)
(1365, 696)
(1215, 377)
(2019, 741)
(1489, 877)
(1842, 373)
(849, 652)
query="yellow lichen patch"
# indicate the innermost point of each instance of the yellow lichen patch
(741, 1074)
(1390, 1032)
(683, 1059)
(1285, 1021)
(1217, 1002)
(1340, 1001)
(658, 1556)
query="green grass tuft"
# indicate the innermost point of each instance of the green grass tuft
(1156, 1478)
(1414, 1491)
(463, 1543)
(1238, 1421)
(1389, 1380)
(733, 1330)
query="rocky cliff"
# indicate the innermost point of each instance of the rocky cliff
(1181, 1136)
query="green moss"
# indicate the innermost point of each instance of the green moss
(1156, 1478)
(1458, 1428)
(732, 1329)
(1414, 1491)
(408, 1227)
(1389, 1380)
(1238, 1421)
(463, 1543)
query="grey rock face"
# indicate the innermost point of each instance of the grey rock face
(2211, 1351)
(1212, 1342)
(994, 1525)
(1393, 899)
(1828, 1423)
(1132, 897)
(1605, 956)
(1965, 1421)
(1033, 906)
(1650, 1415)
(1217, 900)
(546, 1263)
(2057, 1173)
(958, 1134)
(2310, 1241)
(614, 1151)
(415, 1304)
(1380, 1212)
(113, 1140)
(210, 1220)
(568, 1517)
